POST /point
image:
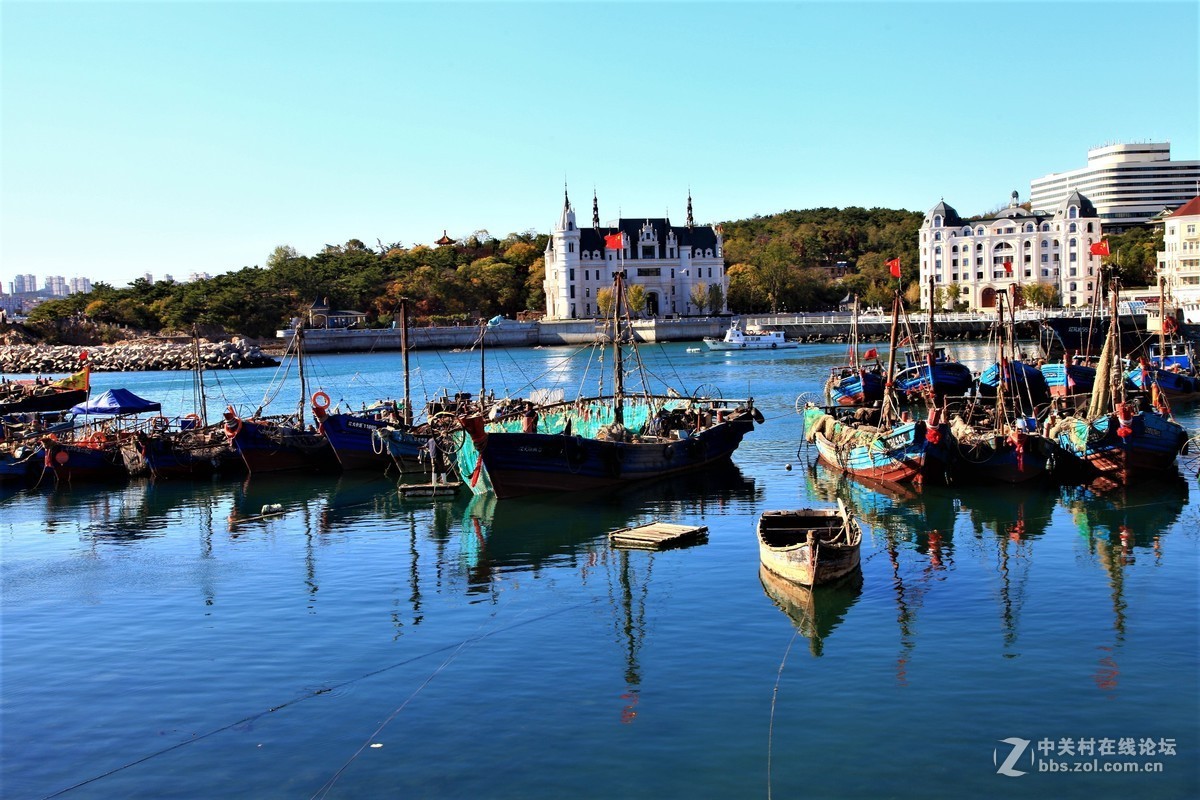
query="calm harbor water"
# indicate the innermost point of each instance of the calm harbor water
(155, 644)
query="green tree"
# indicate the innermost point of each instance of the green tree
(699, 297)
(716, 298)
(635, 296)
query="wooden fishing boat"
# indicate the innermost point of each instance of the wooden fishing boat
(601, 441)
(1117, 440)
(40, 395)
(997, 438)
(809, 546)
(365, 439)
(281, 443)
(856, 383)
(881, 444)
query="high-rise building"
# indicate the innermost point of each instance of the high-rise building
(56, 285)
(666, 260)
(23, 284)
(1010, 251)
(1128, 183)
(80, 285)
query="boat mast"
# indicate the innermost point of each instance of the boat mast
(199, 398)
(618, 377)
(1162, 323)
(407, 413)
(854, 336)
(885, 416)
(482, 363)
(300, 364)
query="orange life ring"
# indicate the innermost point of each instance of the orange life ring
(62, 457)
(195, 417)
(320, 400)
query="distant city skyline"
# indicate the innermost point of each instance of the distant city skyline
(195, 138)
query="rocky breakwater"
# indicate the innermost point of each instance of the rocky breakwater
(134, 356)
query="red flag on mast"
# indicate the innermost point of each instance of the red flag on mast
(613, 241)
(894, 267)
(1100, 248)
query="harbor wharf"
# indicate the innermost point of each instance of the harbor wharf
(807, 327)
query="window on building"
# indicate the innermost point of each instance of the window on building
(979, 261)
(571, 274)
(649, 272)
(1071, 228)
(1072, 213)
(587, 310)
(978, 276)
(954, 262)
(937, 221)
(1028, 273)
(954, 277)
(572, 291)
(937, 237)
(587, 292)
(1072, 286)
(1074, 255)
(979, 231)
(570, 247)
(647, 251)
(585, 275)
(1045, 257)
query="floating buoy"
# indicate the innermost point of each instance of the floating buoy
(788, 467)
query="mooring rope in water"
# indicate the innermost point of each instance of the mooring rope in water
(328, 785)
(774, 697)
(312, 694)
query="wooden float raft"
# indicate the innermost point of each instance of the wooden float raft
(657, 536)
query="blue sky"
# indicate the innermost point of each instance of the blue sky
(168, 137)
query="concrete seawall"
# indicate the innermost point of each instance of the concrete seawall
(804, 327)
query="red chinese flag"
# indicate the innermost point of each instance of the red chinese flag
(872, 353)
(1008, 267)
(1100, 248)
(894, 267)
(612, 241)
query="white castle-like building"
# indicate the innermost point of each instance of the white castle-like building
(1048, 247)
(668, 261)
(1179, 261)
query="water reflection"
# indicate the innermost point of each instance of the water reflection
(528, 534)
(815, 611)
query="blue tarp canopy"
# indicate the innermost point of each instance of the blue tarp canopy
(116, 401)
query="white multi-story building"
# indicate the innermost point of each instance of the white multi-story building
(1179, 260)
(666, 260)
(1011, 250)
(1128, 183)
(80, 285)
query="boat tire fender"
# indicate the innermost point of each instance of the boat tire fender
(758, 416)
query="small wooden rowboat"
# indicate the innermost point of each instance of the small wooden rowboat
(809, 546)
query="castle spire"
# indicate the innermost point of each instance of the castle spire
(690, 221)
(595, 210)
